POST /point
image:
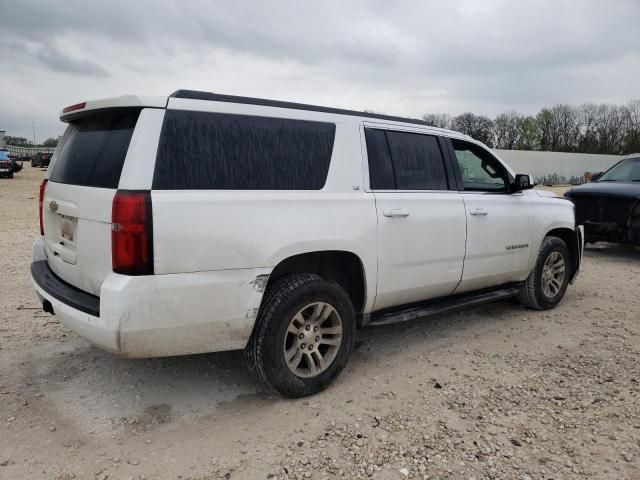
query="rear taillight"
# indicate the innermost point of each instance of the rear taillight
(43, 185)
(132, 233)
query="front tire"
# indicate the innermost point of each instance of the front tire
(546, 285)
(303, 335)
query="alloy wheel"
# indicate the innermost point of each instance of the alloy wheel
(553, 273)
(313, 339)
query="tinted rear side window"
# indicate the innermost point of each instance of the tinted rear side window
(214, 151)
(415, 159)
(94, 152)
(381, 176)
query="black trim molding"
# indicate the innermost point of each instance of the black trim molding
(61, 290)
(218, 97)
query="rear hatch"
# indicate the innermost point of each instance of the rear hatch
(77, 200)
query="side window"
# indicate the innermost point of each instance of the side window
(381, 175)
(481, 172)
(405, 161)
(216, 151)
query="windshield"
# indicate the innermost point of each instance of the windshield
(627, 170)
(4, 156)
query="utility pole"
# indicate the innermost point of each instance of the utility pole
(33, 125)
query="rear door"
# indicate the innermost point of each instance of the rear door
(421, 221)
(499, 222)
(82, 182)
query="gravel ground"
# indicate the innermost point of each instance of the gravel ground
(499, 392)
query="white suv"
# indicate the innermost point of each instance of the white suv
(204, 222)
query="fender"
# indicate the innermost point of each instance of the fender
(368, 262)
(541, 231)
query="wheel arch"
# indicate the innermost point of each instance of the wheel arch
(340, 266)
(569, 237)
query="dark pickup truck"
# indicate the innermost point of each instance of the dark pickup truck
(609, 207)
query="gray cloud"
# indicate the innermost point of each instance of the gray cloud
(403, 57)
(49, 56)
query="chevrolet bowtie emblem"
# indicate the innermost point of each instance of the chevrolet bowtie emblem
(53, 206)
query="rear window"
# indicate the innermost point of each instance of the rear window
(215, 151)
(94, 152)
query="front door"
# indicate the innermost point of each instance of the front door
(499, 223)
(421, 221)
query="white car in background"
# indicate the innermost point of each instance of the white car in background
(201, 222)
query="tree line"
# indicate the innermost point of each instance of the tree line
(23, 142)
(588, 128)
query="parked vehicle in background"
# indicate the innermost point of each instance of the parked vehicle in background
(41, 159)
(609, 207)
(6, 165)
(17, 166)
(204, 222)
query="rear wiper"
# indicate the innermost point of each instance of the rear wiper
(609, 180)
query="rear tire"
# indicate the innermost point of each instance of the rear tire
(546, 285)
(288, 349)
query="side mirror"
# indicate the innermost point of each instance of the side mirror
(523, 182)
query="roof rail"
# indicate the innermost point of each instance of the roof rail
(218, 97)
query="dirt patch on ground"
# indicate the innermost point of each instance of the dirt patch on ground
(497, 392)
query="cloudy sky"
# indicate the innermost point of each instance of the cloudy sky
(397, 57)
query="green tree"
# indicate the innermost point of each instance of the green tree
(505, 130)
(548, 129)
(51, 142)
(528, 134)
(476, 126)
(631, 142)
(566, 121)
(17, 141)
(438, 120)
(610, 123)
(588, 140)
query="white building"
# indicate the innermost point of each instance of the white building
(563, 165)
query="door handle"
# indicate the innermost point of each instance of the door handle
(396, 212)
(478, 212)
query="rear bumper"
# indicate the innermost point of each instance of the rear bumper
(157, 315)
(48, 282)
